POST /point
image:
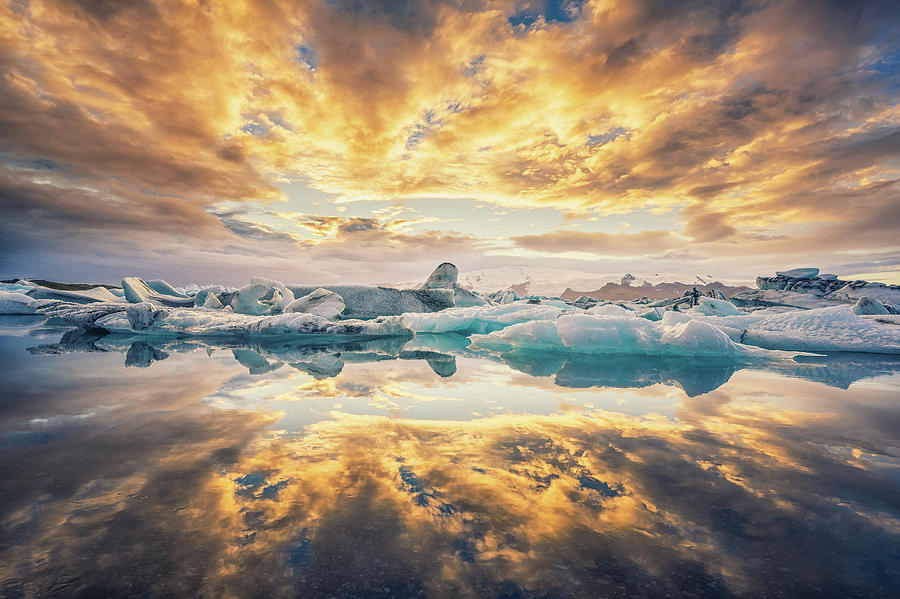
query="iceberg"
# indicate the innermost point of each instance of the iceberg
(799, 273)
(262, 296)
(369, 301)
(587, 333)
(837, 328)
(446, 276)
(864, 305)
(830, 288)
(83, 296)
(716, 307)
(480, 319)
(321, 302)
(149, 319)
(765, 298)
(160, 286)
(13, 302)
(137, 290)
(212, 302)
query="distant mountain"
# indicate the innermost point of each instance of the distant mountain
(556, 282)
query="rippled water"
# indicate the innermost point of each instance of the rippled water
(421, 469)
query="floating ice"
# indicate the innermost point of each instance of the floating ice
(609, 310)
(369, 301)
(262, 296)
(480, 319)
(212, 302)
(13, 302)
(774, 297)
(625, 334)
(321, 302)
(826, 329)
(85, 296)
(864, 305)
(716, 307)
(160, 286)
(137, 290)
(444, 276)
(799, 273)
(141, 316)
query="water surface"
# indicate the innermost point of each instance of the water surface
(421, 469)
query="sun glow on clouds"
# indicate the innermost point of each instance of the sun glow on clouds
(768, 129)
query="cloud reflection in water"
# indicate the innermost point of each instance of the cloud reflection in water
(134, 481)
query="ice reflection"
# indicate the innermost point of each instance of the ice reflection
(136, 482)
(694, 375)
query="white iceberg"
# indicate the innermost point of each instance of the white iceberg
(83, 296)
(262, 296)
(137, 290)
(481, 319)
(613, 334)
(866, 305)
(13, 302)
(320, 302)
(716, 307)
(799, 273)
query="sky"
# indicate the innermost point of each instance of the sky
(362, 142)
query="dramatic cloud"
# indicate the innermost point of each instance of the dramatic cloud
(756, 120)
(628, 244)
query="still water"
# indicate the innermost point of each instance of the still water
(421, 469)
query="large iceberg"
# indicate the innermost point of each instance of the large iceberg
(481, 319)
(369, 301)
(262, 296)
(321, 302)
(616, 334)
(13, 302)
(137, 290)
(829, 287)
(611, 329)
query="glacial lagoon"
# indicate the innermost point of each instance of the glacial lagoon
(423, 468)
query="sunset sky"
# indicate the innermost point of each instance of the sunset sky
(332, 140)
